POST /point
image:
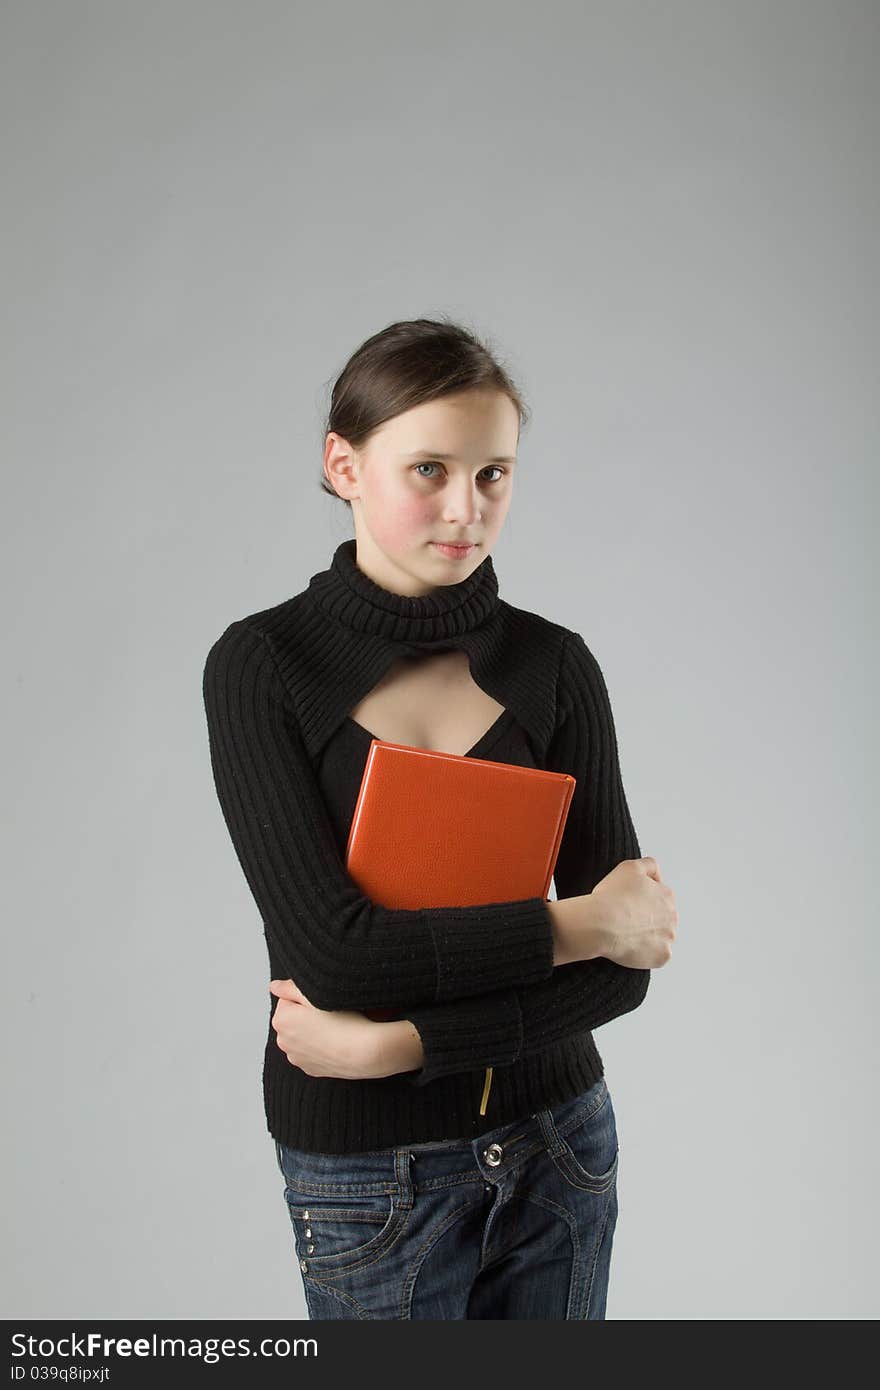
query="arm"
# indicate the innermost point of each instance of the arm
(343, 951)
(506, 1024)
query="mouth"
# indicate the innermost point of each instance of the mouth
(454, 552)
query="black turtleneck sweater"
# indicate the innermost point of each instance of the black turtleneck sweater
(477, 982)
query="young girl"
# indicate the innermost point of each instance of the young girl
(459, 1161)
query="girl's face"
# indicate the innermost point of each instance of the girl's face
(441, 472)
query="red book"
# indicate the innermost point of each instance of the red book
(433, 829)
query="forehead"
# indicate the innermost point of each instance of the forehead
(461, 426)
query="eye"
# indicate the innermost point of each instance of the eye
(497, 468)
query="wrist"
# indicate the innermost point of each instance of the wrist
(398, 1047)
(579, 928)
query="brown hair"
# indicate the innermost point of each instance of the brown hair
(411, 361)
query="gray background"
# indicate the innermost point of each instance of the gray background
(664, 218)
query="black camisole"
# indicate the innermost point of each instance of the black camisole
(342, 762)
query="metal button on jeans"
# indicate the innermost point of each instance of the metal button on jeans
(492, 1155)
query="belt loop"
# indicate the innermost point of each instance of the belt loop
(402, 1171)
(549, 1132)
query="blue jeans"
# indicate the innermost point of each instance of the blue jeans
(517, 1223)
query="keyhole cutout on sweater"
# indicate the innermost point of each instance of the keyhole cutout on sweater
(429, 702)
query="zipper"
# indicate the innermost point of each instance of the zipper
(485, 1090)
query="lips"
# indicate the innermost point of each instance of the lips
(454, 551)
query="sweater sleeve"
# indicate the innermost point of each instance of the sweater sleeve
(343, 950)
(507, 1024)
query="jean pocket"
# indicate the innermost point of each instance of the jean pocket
(340, 1231)
(589, 1153)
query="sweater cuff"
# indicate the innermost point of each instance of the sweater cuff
(465, 1034)
(514, 947)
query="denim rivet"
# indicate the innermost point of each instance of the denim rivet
(308, 1230)
(311, 1249)
(303, 1265)
(305, 1216)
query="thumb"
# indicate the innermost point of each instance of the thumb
(285, 989)
(651, 867)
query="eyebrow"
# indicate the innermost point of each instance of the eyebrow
(432, 453)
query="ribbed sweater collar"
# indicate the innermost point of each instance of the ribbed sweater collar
(335, 640)
(349, 595)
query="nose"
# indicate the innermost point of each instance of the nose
(462, 503)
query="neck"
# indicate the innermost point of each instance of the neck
(354, 599)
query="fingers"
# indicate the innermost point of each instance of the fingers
(286, 989)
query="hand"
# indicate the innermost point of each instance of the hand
(324, 1042)
(637, 913)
